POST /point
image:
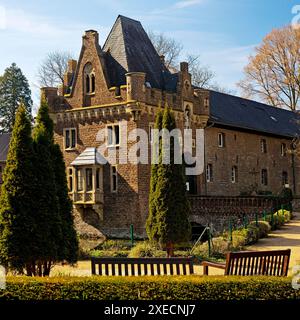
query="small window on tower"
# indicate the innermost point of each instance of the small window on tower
(70, 138)
(113, 135)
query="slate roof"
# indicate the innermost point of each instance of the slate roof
(242, 113)
(129, 49)
(4, 145)
(89, 156)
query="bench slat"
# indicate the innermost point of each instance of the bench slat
(255, 263)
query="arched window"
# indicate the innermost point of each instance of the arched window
(87, 83)
(93, 82)
(89, 76)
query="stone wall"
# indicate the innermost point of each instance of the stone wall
(243, 150)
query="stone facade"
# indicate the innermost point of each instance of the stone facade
(91, 103)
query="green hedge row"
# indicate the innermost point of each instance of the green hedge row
(150, 288)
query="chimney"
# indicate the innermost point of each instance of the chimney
(91, 36)
(184, 67)
(72, 64)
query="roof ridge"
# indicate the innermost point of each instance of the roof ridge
(251, 100)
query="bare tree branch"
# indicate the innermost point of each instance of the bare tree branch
(167, 47)
(273, 74)
(52, 70)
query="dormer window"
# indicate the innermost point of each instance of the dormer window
(89, 76)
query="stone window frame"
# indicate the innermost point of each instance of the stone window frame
(221, 139)
(283, 149)
(72, 146)
(234, 174)
(114, 185)
(209, 172)
(113, 126)
(264, 177)
(89, 79)
(263, 145)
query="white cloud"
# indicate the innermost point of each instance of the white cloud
(187, 3)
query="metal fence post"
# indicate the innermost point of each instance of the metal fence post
(209, 242)
(264, 215)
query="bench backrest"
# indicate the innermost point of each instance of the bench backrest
(247, 263)
(142, 266)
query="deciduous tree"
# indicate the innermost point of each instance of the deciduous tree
(52, 69)
(273, 73)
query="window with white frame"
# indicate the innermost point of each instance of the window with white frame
(234, 174)
(221, 139)
(79, 178)
(283, 150)
(114, 179)
(264, 177)
(209, 173)
(89, 179)
(263, 145)
(70, 136)
(113, 135)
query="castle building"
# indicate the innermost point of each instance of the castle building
(248, 146)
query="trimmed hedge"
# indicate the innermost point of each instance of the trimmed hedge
(150, 288)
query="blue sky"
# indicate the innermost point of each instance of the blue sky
(223, 32)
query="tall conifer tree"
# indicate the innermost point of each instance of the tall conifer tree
(171, 206)
(17, 207)
(151, 225)
(68, 243)
(14, 89)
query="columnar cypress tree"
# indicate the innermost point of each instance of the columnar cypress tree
(17, 207)
(151, 226)
(69, 243)
(170, 200)
(49, 235)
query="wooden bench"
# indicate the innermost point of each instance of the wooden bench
(141, 266)
(248, 263)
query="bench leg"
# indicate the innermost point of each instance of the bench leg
(205, 270)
